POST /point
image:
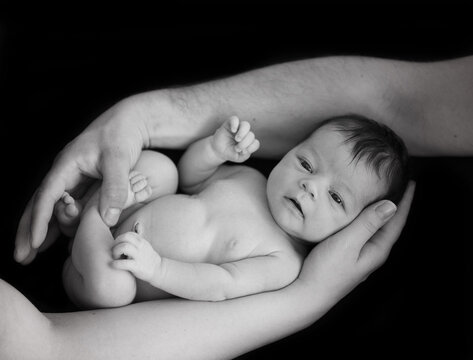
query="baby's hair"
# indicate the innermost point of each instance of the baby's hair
(379, 146)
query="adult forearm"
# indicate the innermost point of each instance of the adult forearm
(428, 104)
(182, 329)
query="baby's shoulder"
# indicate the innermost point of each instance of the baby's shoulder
(241, 171)
(239, 175)
(290, 260)
(281, 246)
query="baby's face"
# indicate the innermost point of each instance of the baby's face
(317, 189)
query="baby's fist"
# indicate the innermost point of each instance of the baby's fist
(133, 253)
(234, 140)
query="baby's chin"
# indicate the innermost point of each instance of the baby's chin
(308, 241)
(296, 235)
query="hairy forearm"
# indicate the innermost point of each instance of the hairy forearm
(428, 104)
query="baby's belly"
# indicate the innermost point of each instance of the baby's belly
(177, 227)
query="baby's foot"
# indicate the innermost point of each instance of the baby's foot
(67, 212)
(139, 189)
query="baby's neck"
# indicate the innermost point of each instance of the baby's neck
(302, 246)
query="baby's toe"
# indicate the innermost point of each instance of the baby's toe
(139, 184)
(143, 194)
(71, 210)
(67, 199)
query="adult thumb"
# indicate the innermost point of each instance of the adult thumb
(369, 222)
(114, 190)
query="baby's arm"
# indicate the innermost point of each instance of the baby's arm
(233, 141)
(203, 281)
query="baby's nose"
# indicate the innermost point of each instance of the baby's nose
(309, 188)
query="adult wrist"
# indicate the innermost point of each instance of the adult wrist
(173, 118)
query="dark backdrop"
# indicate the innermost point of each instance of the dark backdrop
(57, 75)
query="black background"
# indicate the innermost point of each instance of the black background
(57, 73)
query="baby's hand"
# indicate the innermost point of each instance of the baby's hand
(136, 255)
(233, 141)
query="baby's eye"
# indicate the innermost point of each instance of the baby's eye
(336, 198)
(306, 165)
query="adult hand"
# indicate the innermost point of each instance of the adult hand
(340, 263)
(107, 149)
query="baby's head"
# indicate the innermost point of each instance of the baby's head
(323, 183)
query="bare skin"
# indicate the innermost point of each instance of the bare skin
(408, 97)
(28, 334)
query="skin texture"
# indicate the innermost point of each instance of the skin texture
(411, 98)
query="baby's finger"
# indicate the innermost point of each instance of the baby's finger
(245, 142)
(242, 131)
(254, 146)
(124, 249)
(234, 122)
(126, 264)
(130, 237)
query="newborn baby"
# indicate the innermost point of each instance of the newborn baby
(232, 232)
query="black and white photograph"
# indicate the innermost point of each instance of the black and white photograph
(237, 181)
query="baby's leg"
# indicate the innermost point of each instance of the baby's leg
(160, 178)
(88, 278)
(154, 175)
(68, 210)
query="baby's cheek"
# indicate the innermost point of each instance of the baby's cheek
(327, 226)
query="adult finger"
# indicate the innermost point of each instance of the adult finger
(114, 191)
(378, 247)
(22, 240)
(42, 205)
(53, 233)
(367, 223)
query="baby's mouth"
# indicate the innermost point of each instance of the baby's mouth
(296, 205)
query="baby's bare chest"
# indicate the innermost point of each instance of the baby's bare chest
(225, 222)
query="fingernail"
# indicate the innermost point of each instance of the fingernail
(18, 255)
(386, 210)
(111, 216)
